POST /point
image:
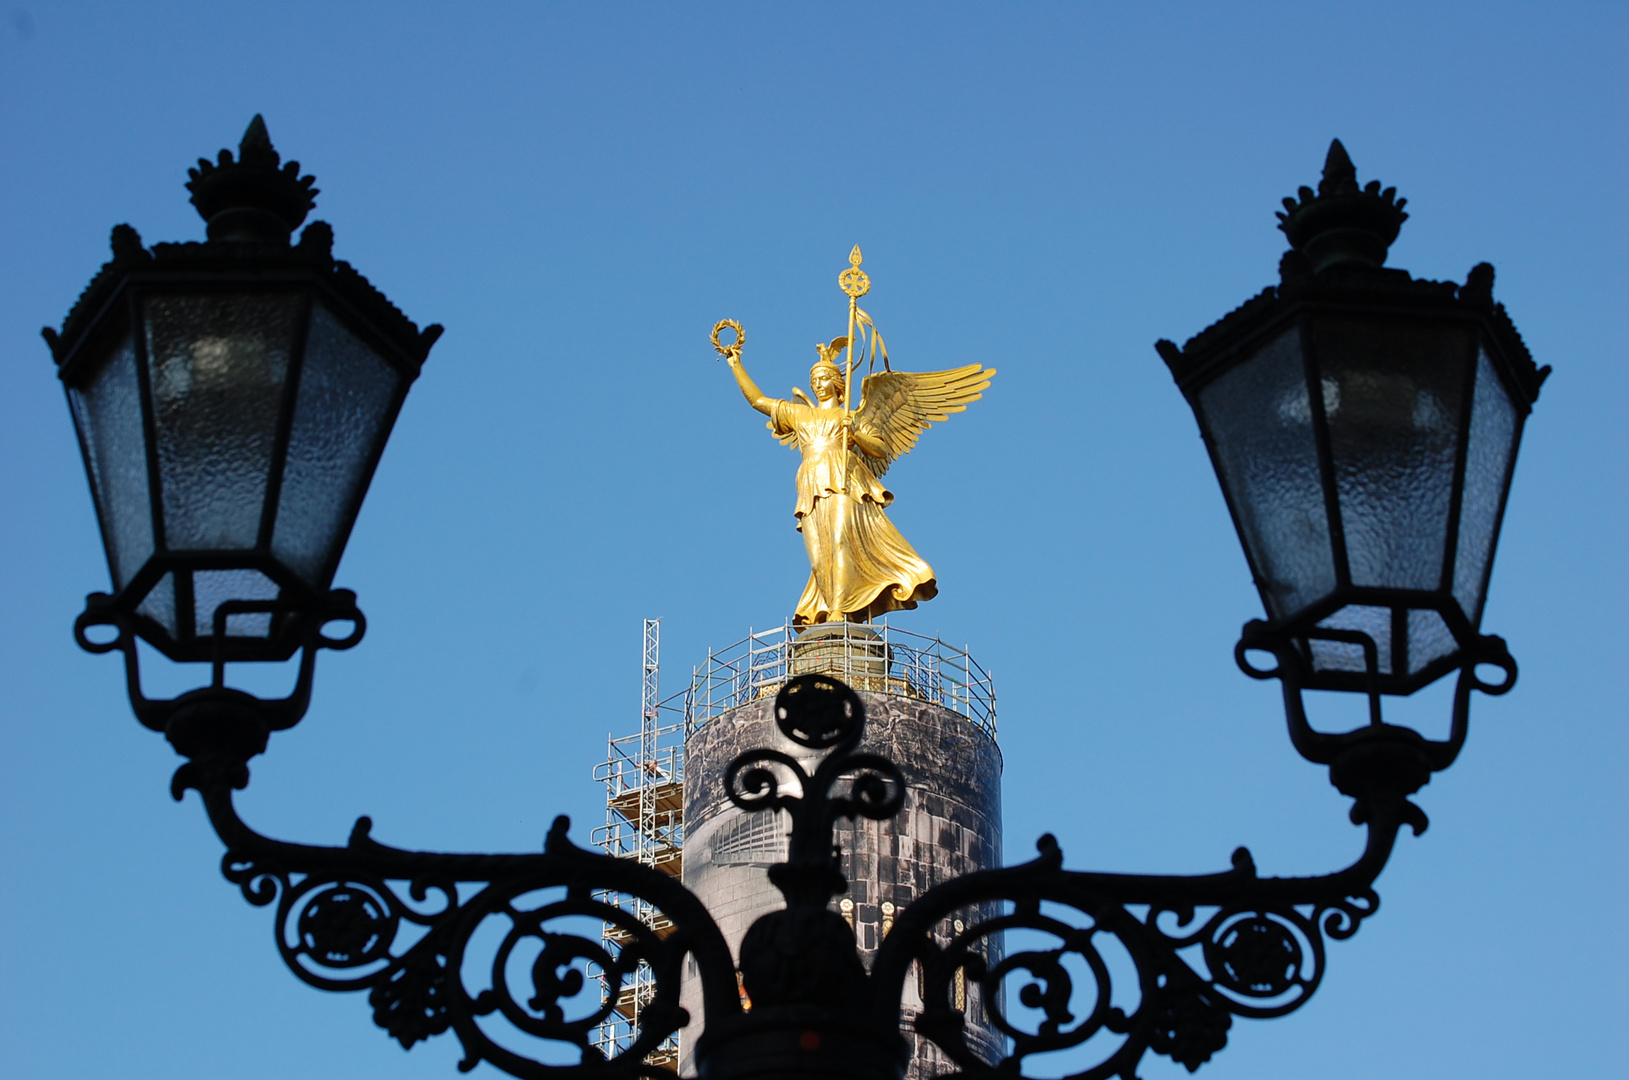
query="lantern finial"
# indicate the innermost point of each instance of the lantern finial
(256, 148)
(1342, 223)
(1340, 175)
(251, 199)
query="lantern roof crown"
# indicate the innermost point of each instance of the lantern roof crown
(251, 204)
(251, 198)
(1341, 222)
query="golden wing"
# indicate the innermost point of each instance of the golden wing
(897, 406)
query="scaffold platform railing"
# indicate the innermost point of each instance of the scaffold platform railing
(644, 797)
(871, 656)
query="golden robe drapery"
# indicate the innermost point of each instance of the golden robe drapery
(861, 566)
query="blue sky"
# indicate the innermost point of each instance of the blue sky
(578, 193)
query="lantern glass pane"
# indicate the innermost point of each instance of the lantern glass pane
(1391, 397)
(108, 414)
(1487, 462)
(159, 605)
(218, 367)
(211, 588)
(1429, 639)
(1347, 656)
(1260, 427)
(341, 407)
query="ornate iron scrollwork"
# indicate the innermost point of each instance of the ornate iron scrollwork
(1260, 946)
(1199, 950)
(1204, 948)
(400, 925)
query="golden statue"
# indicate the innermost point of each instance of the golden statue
(860, 566)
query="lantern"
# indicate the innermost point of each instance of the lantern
(232, 399)
(1364, 427)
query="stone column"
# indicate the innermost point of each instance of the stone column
(950, 825)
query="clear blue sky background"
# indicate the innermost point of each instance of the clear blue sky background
(578, 193)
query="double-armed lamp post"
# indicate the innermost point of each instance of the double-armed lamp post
(232, 399)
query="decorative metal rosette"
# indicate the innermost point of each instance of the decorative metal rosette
(1265, 962)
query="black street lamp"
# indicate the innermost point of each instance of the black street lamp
(1364, 427)
(232, 399)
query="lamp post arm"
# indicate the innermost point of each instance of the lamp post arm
(396, 923)
(1260, 941)
(400, 924)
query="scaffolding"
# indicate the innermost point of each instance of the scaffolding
(872, 656)
(643, 773)
(643, 776)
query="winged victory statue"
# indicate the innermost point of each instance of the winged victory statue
(859, 564)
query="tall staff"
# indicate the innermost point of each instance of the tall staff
(856, 284)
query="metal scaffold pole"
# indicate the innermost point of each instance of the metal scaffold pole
(644, 821)
(649, 695)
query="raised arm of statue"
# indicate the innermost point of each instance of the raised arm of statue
(749, 389)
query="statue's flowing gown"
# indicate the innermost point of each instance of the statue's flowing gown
(861, 565)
